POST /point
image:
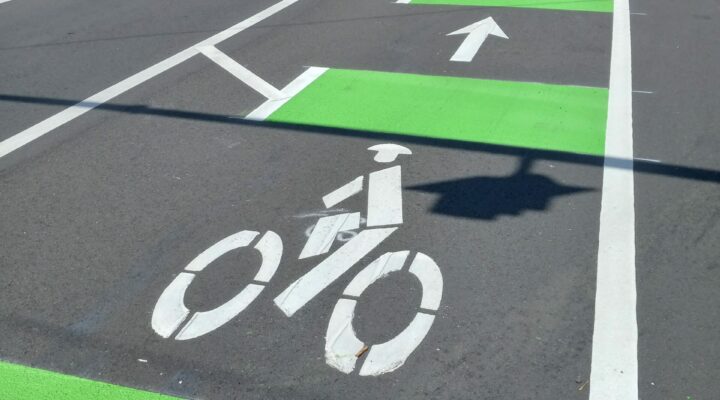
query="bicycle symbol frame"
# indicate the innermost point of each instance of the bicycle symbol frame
(342, 346)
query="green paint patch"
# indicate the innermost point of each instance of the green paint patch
(569, 5)
(18, 382)
(531, 115)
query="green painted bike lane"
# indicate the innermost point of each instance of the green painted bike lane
(19, 382)
(521, 114)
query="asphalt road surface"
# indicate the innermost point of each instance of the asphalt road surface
(190, 205)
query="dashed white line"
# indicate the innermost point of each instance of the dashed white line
(614, 370)
(19, 140)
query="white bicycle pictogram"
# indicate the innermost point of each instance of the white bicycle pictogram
(342, 347)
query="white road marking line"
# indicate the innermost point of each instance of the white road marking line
(325, 232)
(636, 13)
(403, 2)
(642, 91)
(385, 197)
(313, 282)
(235, 69)
(343, 192)
(652, 160)
(38, 130)
(4, 1)
(301, 82)
(614, 370)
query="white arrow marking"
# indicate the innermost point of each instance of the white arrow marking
(476, 35)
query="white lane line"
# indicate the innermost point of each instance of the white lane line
(614, 370)
(652, 160)
(4, 1)
(235, 69)
(19, 140)
(643, 91)
(301, 82)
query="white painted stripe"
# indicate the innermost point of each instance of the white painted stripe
(614, 370)
(385, 197)
(325, 231)
(313, 282)
(652, 160)
(349, 189)
(235, 69)
(4, 1)
(403, 1)
(391, 355)
(642, 91)
(40, 129)
(301, 82)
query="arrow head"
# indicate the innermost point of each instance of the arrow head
(487, 25)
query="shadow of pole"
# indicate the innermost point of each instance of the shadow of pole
(639, 166)
(487, 198)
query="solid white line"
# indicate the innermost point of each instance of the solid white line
(301, 82)
(403, 2)
(614, 370)
(4, 1)
(248, 77)
(19, 140)
(652, 160)
(642, 91)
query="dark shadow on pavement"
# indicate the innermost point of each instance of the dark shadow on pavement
(487, 198)
(639, 166)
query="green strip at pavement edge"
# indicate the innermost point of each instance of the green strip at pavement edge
(19, 382)
(567, 5)
(519, 114)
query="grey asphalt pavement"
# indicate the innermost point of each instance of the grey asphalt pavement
(101, 214)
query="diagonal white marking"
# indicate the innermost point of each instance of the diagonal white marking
(301, 82)
(614, 374)
(40, 129)
(242, 73)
